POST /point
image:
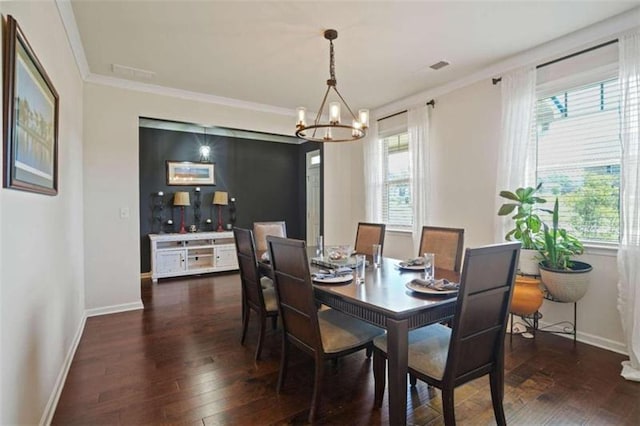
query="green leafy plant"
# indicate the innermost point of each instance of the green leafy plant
(557, 246)
(528, 224)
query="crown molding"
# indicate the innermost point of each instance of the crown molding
(73, 35)
(186, 94)
(575, 41)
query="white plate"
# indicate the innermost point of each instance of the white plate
(411, 268)
(426, 290)
(340, 279)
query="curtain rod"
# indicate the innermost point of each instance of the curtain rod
(606, 43)
(432, 102)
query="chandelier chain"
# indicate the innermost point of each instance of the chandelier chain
(332, 65)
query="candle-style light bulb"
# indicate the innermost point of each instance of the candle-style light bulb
(363, 115)
(327, 134)
(301, 111)
(334, 112)
(357, 129)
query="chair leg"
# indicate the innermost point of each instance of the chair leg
(448, 407)
(379, 376)
(496, 381)
(317, 386)
(283, 363)
(413, 380)
(274, 322)
(369, 350)
(246, 313)
(263, 323)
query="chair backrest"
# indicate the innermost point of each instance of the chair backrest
(446, 243)
(294, 289)
(480, 321)
(249, 275)
(263, 229)
(367, 235)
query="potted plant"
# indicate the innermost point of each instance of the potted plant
(528, 224)
(566, 280)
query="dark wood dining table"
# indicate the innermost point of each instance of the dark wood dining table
(384, 300)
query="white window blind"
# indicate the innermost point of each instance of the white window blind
(578, 155)
(396, 200)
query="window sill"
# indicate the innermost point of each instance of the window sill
(399, 231)
(601, 249)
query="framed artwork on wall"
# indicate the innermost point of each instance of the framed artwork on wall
(30, 114)
(188, 173)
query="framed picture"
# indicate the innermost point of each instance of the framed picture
(30, 118)
(188, 173)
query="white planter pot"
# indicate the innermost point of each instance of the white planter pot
(566, 286)
(528, 262)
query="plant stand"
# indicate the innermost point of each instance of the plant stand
(533, 321)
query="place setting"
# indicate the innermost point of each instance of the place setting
(342, 275)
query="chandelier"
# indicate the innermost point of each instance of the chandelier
(333, 130)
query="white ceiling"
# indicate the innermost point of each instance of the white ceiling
(274, 53)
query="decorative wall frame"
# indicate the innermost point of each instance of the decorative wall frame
(30, 118)
(186, 173)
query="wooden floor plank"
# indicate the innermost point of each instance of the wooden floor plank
(179, 361)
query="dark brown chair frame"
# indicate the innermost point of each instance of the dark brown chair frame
(476, 346)
(252, 296)
(299, 312)
(380, 227)
(458, 231)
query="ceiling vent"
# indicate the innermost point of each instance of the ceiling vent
(130, 72)
(439, 65)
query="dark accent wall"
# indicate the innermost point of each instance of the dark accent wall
(267, 179)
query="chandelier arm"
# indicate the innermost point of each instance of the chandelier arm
(345, 104)
(319, 114)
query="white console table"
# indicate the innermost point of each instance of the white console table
(174, 255)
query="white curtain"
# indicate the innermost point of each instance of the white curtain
(418, 130)
(517, 152)
(373, 173)
(629, 251)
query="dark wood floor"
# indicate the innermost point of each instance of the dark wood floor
(180, 361)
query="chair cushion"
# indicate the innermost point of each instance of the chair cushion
(428, 349)
(266, 282)
(270, 300)
(341, 332)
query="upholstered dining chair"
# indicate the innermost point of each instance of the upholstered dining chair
(446, 243)
(367, 235)
(323, 335)
(263, 229)
(449, 357)
(258, 293)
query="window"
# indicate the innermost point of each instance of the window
(396, 200)
(578, 156)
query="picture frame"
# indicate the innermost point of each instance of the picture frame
(187, 173)
(30, 117)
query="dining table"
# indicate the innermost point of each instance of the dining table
(385, 300)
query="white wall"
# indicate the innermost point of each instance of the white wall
(41, 275)
(112, 182)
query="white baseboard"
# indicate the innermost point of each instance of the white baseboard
(593, 340)
(114, 309)
(50, 408)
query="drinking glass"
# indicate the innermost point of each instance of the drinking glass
(361, 261)
(429, 266)
(377, 255)
(320, 246)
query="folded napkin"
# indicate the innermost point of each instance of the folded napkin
(440, 285)
(418, 261)
(333, 273)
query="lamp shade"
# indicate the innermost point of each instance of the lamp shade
(220, 198)
(181, 199)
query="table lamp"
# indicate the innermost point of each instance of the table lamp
(220, 198)
(181, 199)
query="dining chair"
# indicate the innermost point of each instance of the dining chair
(367, 235)
(446, 243)
(258, 293)
(324, 335)
(447, 357)
(263, 229)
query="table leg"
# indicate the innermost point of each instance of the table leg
(397, 355)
